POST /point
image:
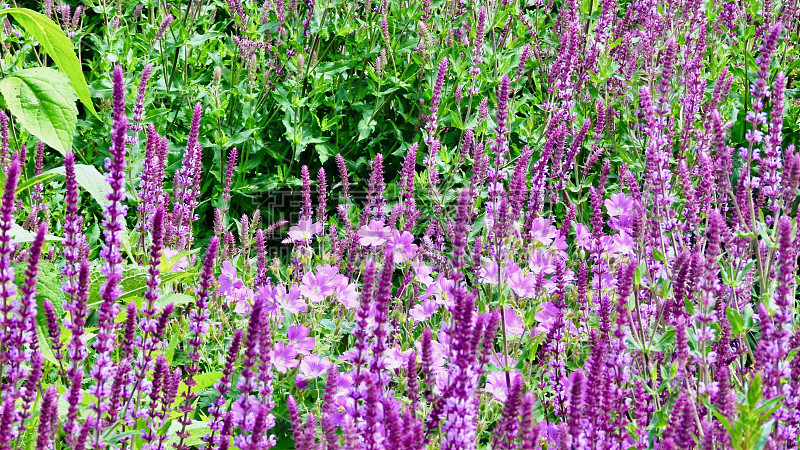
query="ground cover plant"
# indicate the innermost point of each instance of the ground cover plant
(400, 225)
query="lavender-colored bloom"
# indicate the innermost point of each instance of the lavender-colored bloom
(48, 419)
(113, 224)
(138, 108)
(306, 209)
(186, 185)
(198, 326)
(165, 22)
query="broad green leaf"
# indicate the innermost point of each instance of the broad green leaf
(89, 178)
(33, 181)
(44, 346)
(196, 430)
(21, 235)
(41, 99)
(56, 44)
(176, 298)
(736, 320)
(203, 381)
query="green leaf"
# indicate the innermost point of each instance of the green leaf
(41, 99)
(89, 178)
(736, 320)
(203, 381)
(56, 44)
(44, 346)
(176, 298)
(21, 235)
(766, 429)
(169, 353)
(33, 181)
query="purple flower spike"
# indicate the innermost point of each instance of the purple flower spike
(113, 224)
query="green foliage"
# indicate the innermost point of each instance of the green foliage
(41, 99)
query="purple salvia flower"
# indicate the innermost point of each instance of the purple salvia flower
(322, 196)
(76, 349)
(576, 403)
(226, 192)
(48, 419)
(138, 107)
(329, 409)
(186, 185)
(5, 149)
(361, 332)
(774, 346)
(113, 224)
(7, 287)
(247, 404)
(73, 238)
(165, 22)
(151, 180)
(198, 327)
(375, 189)
(480, 32)
(507, 429)
(223, 386)
(383, 298)
(306, 210)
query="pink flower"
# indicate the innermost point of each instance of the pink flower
(298, 338)
(402, 245)
(283, 358)
(583, 237)
(291, 301)
(622, 244)
(546, 318)
(514, 325)
(228, 280)
(347, 295)
(422, 272)
(619, 205)
(178, 266)
(316, 287)
(441, 290)
(311, 367)
(374, 234)
(498, 385)
(304, 231)
(542, 231)
(522, 284)
(423, 311)
(397, 358)
(541, 262)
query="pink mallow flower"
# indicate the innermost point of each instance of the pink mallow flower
(374, 234)
(312, 367)
(514, 325)
(498, 385)
(283, 358)
(317, 286)
(290, 301)
(304, 231)
(403, 246)
(424, 310)
(298, 338)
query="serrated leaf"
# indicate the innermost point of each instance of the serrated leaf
(736, 320)
(44, 346)
(21, 235)
(176, 298)
(41, 100)
(56, 44)
(203, 381)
